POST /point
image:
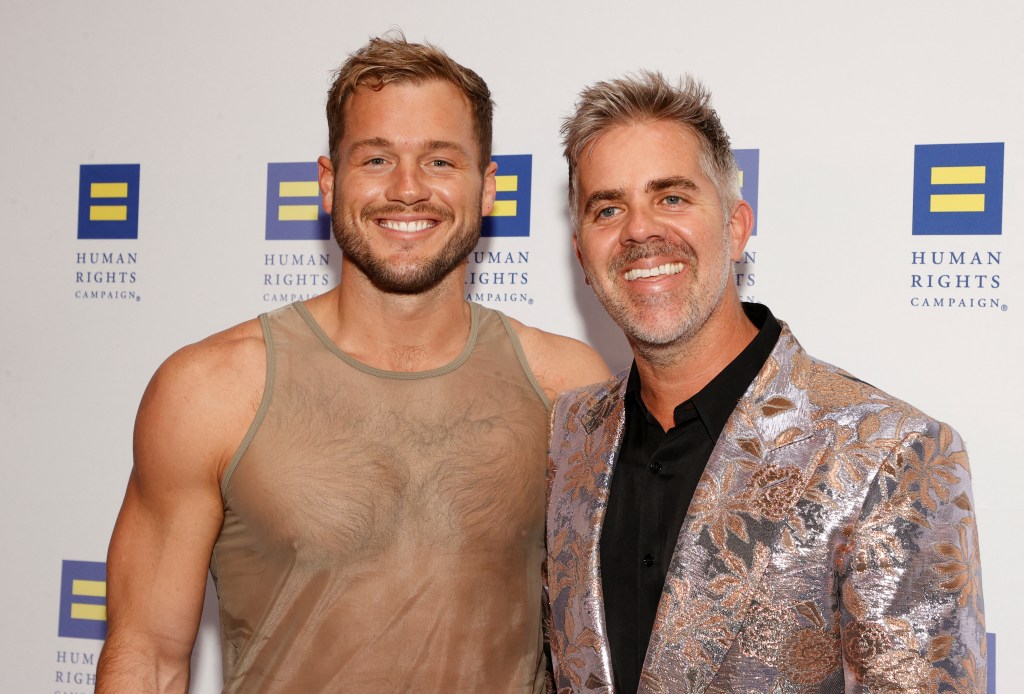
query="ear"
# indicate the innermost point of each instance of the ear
(325, 178)
(579, 255)
(741, 223)
(489, 190)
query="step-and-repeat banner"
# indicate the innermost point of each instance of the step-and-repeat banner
(157, 185)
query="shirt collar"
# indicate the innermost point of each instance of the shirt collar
(715, 402)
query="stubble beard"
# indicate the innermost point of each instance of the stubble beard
(407, 277)
(656, 323)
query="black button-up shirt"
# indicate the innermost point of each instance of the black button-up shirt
(654, 479)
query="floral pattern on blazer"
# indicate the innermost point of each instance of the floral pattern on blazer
(830, 545)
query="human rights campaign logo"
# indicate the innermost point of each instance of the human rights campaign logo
(108, 201)
(958, 189)
(83, 600)
(748, 163)
(511, 213)
(294, 211)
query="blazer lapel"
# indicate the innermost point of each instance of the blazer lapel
(739, 517)
(583, 459)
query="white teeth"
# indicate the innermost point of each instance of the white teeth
(666, 269)
(394, 224)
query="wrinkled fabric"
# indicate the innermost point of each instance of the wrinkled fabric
(384, 531)
(830, 545)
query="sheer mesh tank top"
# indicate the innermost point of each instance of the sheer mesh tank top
(383, 531)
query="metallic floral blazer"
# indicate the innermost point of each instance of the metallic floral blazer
(830, 545)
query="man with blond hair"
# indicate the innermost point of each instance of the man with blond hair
(362, 472)
(731, 514)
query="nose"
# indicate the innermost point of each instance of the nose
(408, 184)
(638, 227)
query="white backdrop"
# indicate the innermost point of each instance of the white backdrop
(203, 96)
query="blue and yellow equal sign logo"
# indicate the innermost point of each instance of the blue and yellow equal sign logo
(83, 600)
(958, 189)
(511, 213)
(294, 211)
(748, 161)
(108, 201)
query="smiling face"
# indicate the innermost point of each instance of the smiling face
(651, 238)
(407, 197)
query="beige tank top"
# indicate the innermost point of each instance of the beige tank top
(384, 531)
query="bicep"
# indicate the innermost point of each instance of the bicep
(157, 564)
(162, 541)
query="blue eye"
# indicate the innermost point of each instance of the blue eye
(607, 212)
(439, 163)
(673, 199)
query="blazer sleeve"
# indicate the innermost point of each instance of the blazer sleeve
(910, 600)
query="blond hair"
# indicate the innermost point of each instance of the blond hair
(390, 59)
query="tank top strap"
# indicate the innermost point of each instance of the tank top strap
(494, 326)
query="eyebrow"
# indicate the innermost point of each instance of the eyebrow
(445, 144)
(432, 145)
(599, 196)
(653, 186)
(660, 184)
(371, 142)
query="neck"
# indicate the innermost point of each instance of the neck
(671, 374)
(395, 332)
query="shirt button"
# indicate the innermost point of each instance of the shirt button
(648, 559)
(655, 467)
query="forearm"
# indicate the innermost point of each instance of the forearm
(130, 664)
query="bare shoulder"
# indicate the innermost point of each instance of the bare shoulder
(559, 363)
(195, 411)
(229, 354)
(202, 399)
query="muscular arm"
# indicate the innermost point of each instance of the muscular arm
(160, 549)
(559, 363)
(912, 616)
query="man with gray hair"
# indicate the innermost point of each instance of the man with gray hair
(731, 514)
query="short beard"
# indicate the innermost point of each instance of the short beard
(639, 321)
(409, 278)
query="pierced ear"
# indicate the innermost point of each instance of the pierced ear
(325, 179)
